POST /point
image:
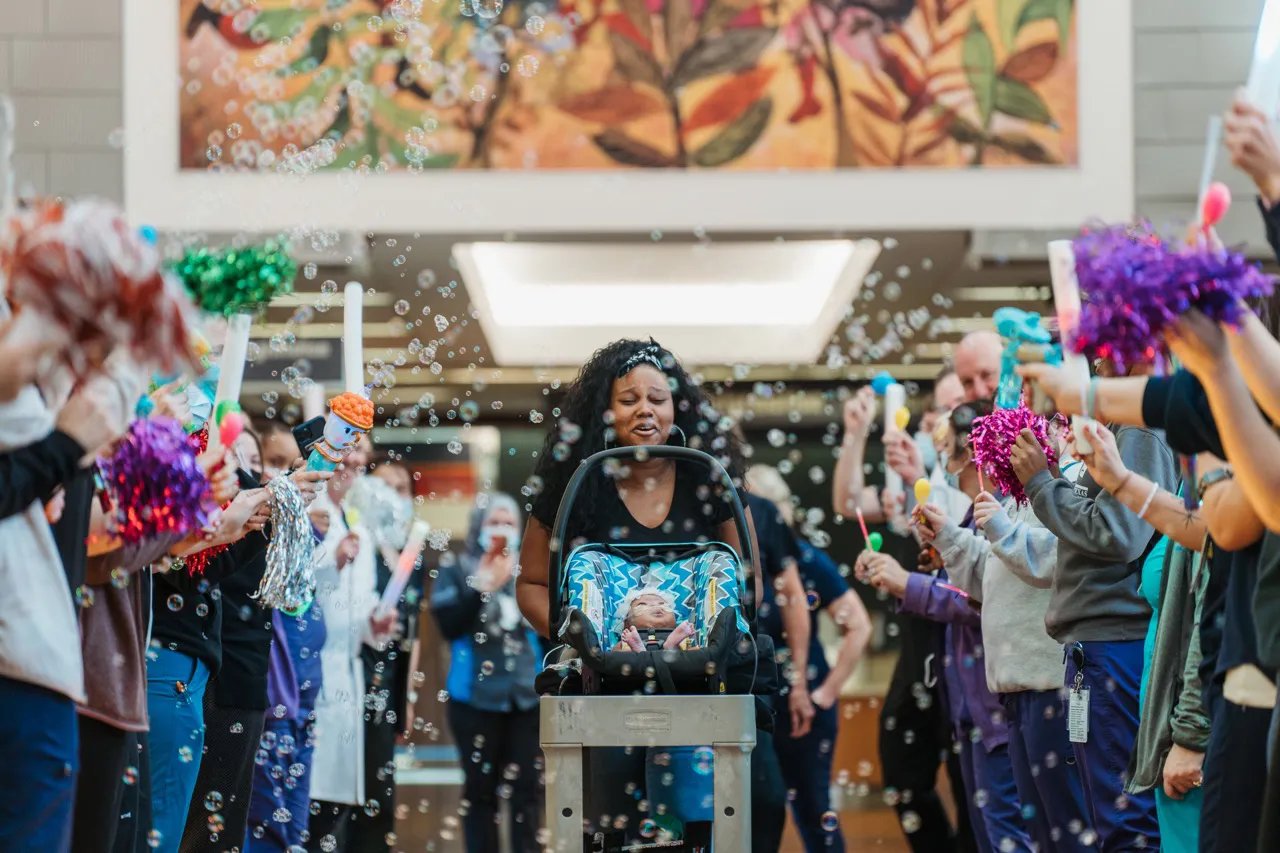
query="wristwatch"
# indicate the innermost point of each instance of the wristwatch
(1208, 481)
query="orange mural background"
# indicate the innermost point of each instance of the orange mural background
(297, 86)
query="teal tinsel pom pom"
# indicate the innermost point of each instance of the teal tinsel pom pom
(232, 281)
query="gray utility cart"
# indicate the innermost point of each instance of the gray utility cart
(570, 724)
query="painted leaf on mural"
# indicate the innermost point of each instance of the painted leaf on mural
(612, 105)
(736, 139)
(630, 152)
(980, 67)
(633, 62)
(732, 51)
(729, 100)
(1032, 64)
(1020, 101)
(1056, 10)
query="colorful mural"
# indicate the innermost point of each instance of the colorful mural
(383, 85)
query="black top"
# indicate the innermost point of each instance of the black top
(34, 472)
(187, 611)
(696, 514)
(246, 639)
(778, 550)
(1241, 619)
(72, 529)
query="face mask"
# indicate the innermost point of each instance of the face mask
(928, 453)
(509, 532)
(952, 480)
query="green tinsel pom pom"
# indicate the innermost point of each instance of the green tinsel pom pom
(232, 281)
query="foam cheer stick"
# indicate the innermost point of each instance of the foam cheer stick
(404, 566)
(350, 416)
(895, 398)
(1066, 303)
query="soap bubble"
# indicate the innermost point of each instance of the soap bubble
(213, 801)
(401, 307)
(830, 821)
(910, 822)
(174, 602)
(703, 760)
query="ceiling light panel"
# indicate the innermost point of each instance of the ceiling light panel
(760, 303)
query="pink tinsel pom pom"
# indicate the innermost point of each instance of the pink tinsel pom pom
(992, 440)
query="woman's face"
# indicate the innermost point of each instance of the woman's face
(279, 450)
(246, 450)
(642, 407)
(958, 455)
(500, 516)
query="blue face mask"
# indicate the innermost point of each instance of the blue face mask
(508, 532)
(928, 453)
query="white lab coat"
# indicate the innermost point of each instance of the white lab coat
(346, 600)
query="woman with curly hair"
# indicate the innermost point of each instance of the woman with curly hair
(634, 393)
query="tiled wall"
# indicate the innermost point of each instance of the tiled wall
(60, 62)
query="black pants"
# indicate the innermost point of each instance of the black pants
(329, 822)
(135, 804)
(222, 789)
(1234, 766)
(371, 824)
(104, 755)
(1269, 832)
(500, 758)
(915, 740)
(768, 796)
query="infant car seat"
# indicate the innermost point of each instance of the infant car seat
(710, 587)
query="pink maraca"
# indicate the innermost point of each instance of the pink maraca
(1217, 201)
(230, 428)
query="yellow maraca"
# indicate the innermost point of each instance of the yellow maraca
(902, 417)
(923, 489)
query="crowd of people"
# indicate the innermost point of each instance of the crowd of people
(1092, 659)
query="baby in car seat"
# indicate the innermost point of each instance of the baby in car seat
(651, 610)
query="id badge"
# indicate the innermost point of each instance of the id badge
(1078, 715)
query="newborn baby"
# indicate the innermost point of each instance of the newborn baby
(650, 610)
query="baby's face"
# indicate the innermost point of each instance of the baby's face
(651, 611)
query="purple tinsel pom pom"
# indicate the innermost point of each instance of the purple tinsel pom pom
(1134, 285)
(992, 439)
(156, 483)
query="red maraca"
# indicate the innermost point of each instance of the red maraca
(1217, 201)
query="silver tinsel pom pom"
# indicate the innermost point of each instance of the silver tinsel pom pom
(288, 583)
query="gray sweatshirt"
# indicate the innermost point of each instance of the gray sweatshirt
(1002, 567)
(1100, 545)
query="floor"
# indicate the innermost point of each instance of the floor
(427, 816)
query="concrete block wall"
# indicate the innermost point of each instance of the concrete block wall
(60, 63)
(1190, 56)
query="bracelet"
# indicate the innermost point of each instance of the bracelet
(1151, 496)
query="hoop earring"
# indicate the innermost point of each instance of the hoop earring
(684, 441)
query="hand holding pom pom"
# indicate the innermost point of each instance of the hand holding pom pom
(1009, 444)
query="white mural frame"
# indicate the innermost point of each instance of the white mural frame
(160, 194)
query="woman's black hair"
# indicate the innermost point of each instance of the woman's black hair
(582, 430)
(963, 417)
